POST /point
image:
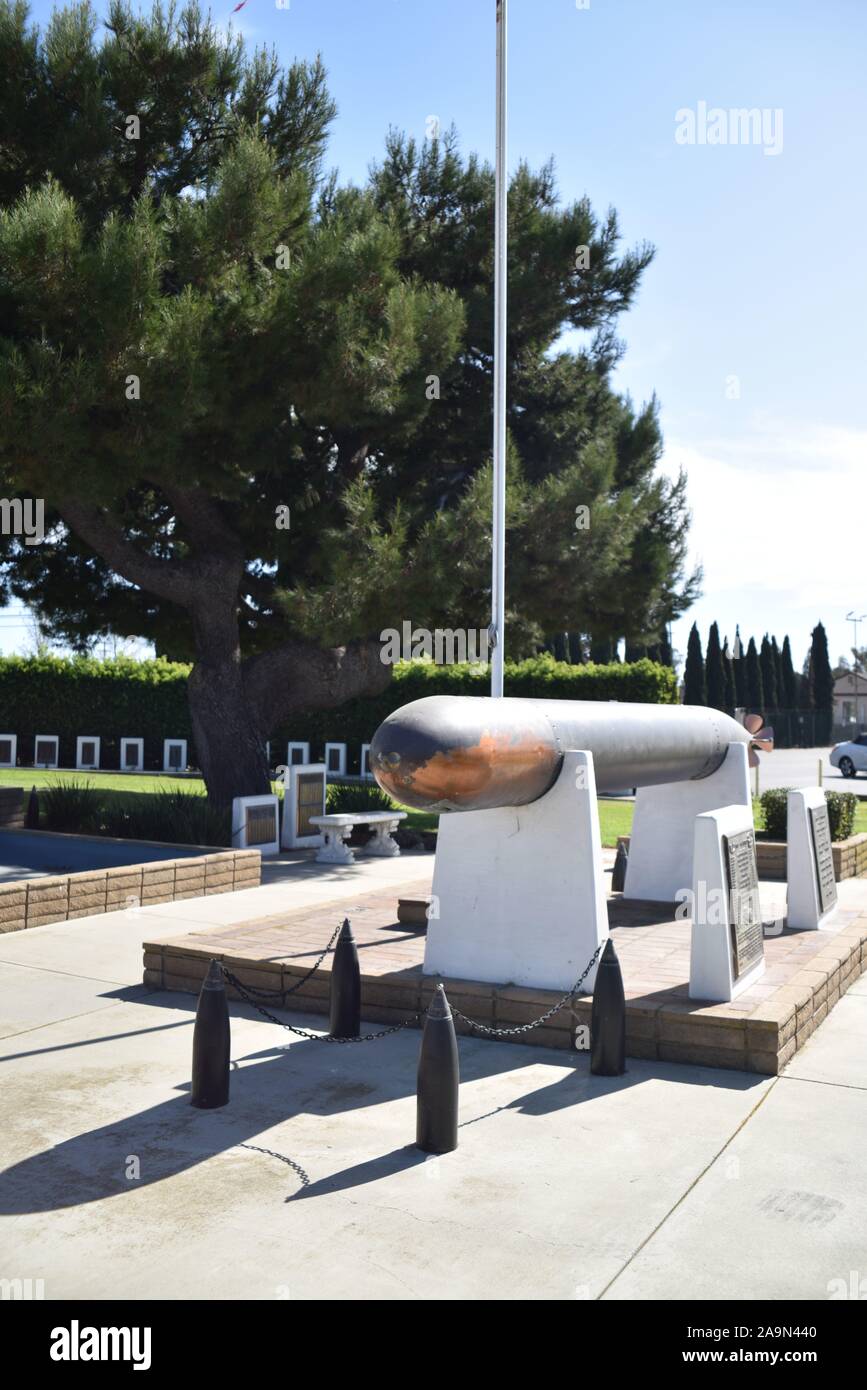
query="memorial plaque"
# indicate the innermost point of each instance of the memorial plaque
(745, 914)
(311, 801)
(261, 825)
(821, 834)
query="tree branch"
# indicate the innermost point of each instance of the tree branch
(167, 579)
(297, 675)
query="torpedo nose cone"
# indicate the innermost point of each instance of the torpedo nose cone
(459, 753)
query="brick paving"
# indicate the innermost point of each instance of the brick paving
(805, 975)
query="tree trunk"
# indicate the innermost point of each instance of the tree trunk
(230, 749)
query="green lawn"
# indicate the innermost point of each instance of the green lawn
(28, 777)
(615, 817)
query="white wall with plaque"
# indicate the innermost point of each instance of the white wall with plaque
(811, 895)
(727, 952)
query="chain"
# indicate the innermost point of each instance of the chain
(282, 993)
(537, 1022)
(247, 992)
(304, 1032)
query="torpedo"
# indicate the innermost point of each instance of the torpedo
(475, 753)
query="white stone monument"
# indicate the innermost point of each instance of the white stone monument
(811, 893)
(256, 823)
(131, 754)
(660, 864)
(335, 759)
(727, 952)
(46, 750)
(87, 753)
(519, 891)
(174, 755)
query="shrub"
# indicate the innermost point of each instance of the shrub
(80, 695)
(172, 816)
(774, 811)
(842, 807)
(70, 806)
(341, 796)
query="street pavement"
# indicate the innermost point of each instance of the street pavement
(673, 1182)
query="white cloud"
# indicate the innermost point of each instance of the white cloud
(778, 526)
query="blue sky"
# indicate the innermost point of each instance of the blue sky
(759, 273)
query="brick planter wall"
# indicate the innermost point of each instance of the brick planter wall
(34, 902)
(850, 857)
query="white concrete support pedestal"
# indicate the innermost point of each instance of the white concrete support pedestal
(518, 892)
(803, 897)
(711, 966)
(663, 827)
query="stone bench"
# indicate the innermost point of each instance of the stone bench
(337, 829)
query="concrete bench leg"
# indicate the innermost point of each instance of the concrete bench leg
(382, 844)
(336, 850)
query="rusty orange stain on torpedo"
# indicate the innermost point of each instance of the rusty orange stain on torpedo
(463, 773)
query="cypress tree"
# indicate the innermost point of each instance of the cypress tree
(778, 673)
(715, 671)
(805, 688)
(694, 688)
(769, 675)
(823, 683)
(755, 701)
(729, 670)
(789, 687)
(739, 662)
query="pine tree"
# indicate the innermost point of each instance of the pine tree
(822, 683)
(715, 671)
(694, 687)
(223, 332)
(769, 675)
(755, 702)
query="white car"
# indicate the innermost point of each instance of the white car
(851, 757)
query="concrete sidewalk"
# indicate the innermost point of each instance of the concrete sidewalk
(672, 1181)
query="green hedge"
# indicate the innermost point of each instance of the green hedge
(841, 813)
(77, 696)
(148, 699)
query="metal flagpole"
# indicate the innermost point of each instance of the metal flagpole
(498, 574)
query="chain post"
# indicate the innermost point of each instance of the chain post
(608, 1017)
(438, 1080)
(211, 1043)
(345, 1002)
